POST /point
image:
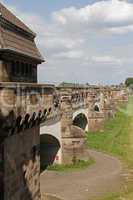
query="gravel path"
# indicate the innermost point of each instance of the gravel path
(102, 177)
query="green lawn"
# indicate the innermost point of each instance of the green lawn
(117, 139)
(81, 164)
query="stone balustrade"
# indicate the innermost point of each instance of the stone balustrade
(23, 105)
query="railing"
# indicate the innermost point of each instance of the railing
(25, 105)
(54, 114)
(23, 98)
(80, 104)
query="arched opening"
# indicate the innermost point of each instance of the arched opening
(81, 121)
(96, 108)
(49, 147)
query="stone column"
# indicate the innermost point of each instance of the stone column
(73, 137)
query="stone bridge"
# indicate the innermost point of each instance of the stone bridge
(80, 109)
(29, 111)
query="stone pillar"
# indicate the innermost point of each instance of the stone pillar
(96, 121)
(73, 137)
(66, 123)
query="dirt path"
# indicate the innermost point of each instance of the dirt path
(102, 177)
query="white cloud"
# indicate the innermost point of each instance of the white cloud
(112, 16)
(74, 54)
(85, 44)
(106, 60)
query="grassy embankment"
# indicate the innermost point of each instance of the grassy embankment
(68, 168)
(117, 139)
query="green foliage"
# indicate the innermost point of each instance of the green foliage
(129, 81)
(125, 195)
(81, 164)
(116, 139)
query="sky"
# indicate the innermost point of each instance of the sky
(82, 41)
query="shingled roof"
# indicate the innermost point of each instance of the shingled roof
(9, 16)
(15, 36)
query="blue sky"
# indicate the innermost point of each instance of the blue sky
(81, 40)
(47, 6)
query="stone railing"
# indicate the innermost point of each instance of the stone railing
(81, 104)
(23, 98)
(54, 113)
(24, 105)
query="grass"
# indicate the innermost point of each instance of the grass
(81, 164)
(125, 195)
(116, 138)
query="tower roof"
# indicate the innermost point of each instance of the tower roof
(9, 16)
(16, 37)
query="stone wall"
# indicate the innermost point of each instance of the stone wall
(96, 121)
(22, 166)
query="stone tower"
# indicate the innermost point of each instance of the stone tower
(19, 123)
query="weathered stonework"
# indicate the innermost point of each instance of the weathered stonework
(73, 147)
(96, 121)
(23, 107)
(81, 109)
(22, 166)
(73, 137)
(21, 110)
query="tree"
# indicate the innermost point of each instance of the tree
(129, 81)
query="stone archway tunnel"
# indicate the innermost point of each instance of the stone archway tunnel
(81, 121)
(49, 147)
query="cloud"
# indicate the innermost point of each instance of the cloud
(112, 16)
(106, 60)
(88, 44)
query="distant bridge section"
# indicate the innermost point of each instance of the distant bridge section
(81, 108)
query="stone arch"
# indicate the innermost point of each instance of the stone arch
(49, 147)
(80, 119)
(96, 108)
